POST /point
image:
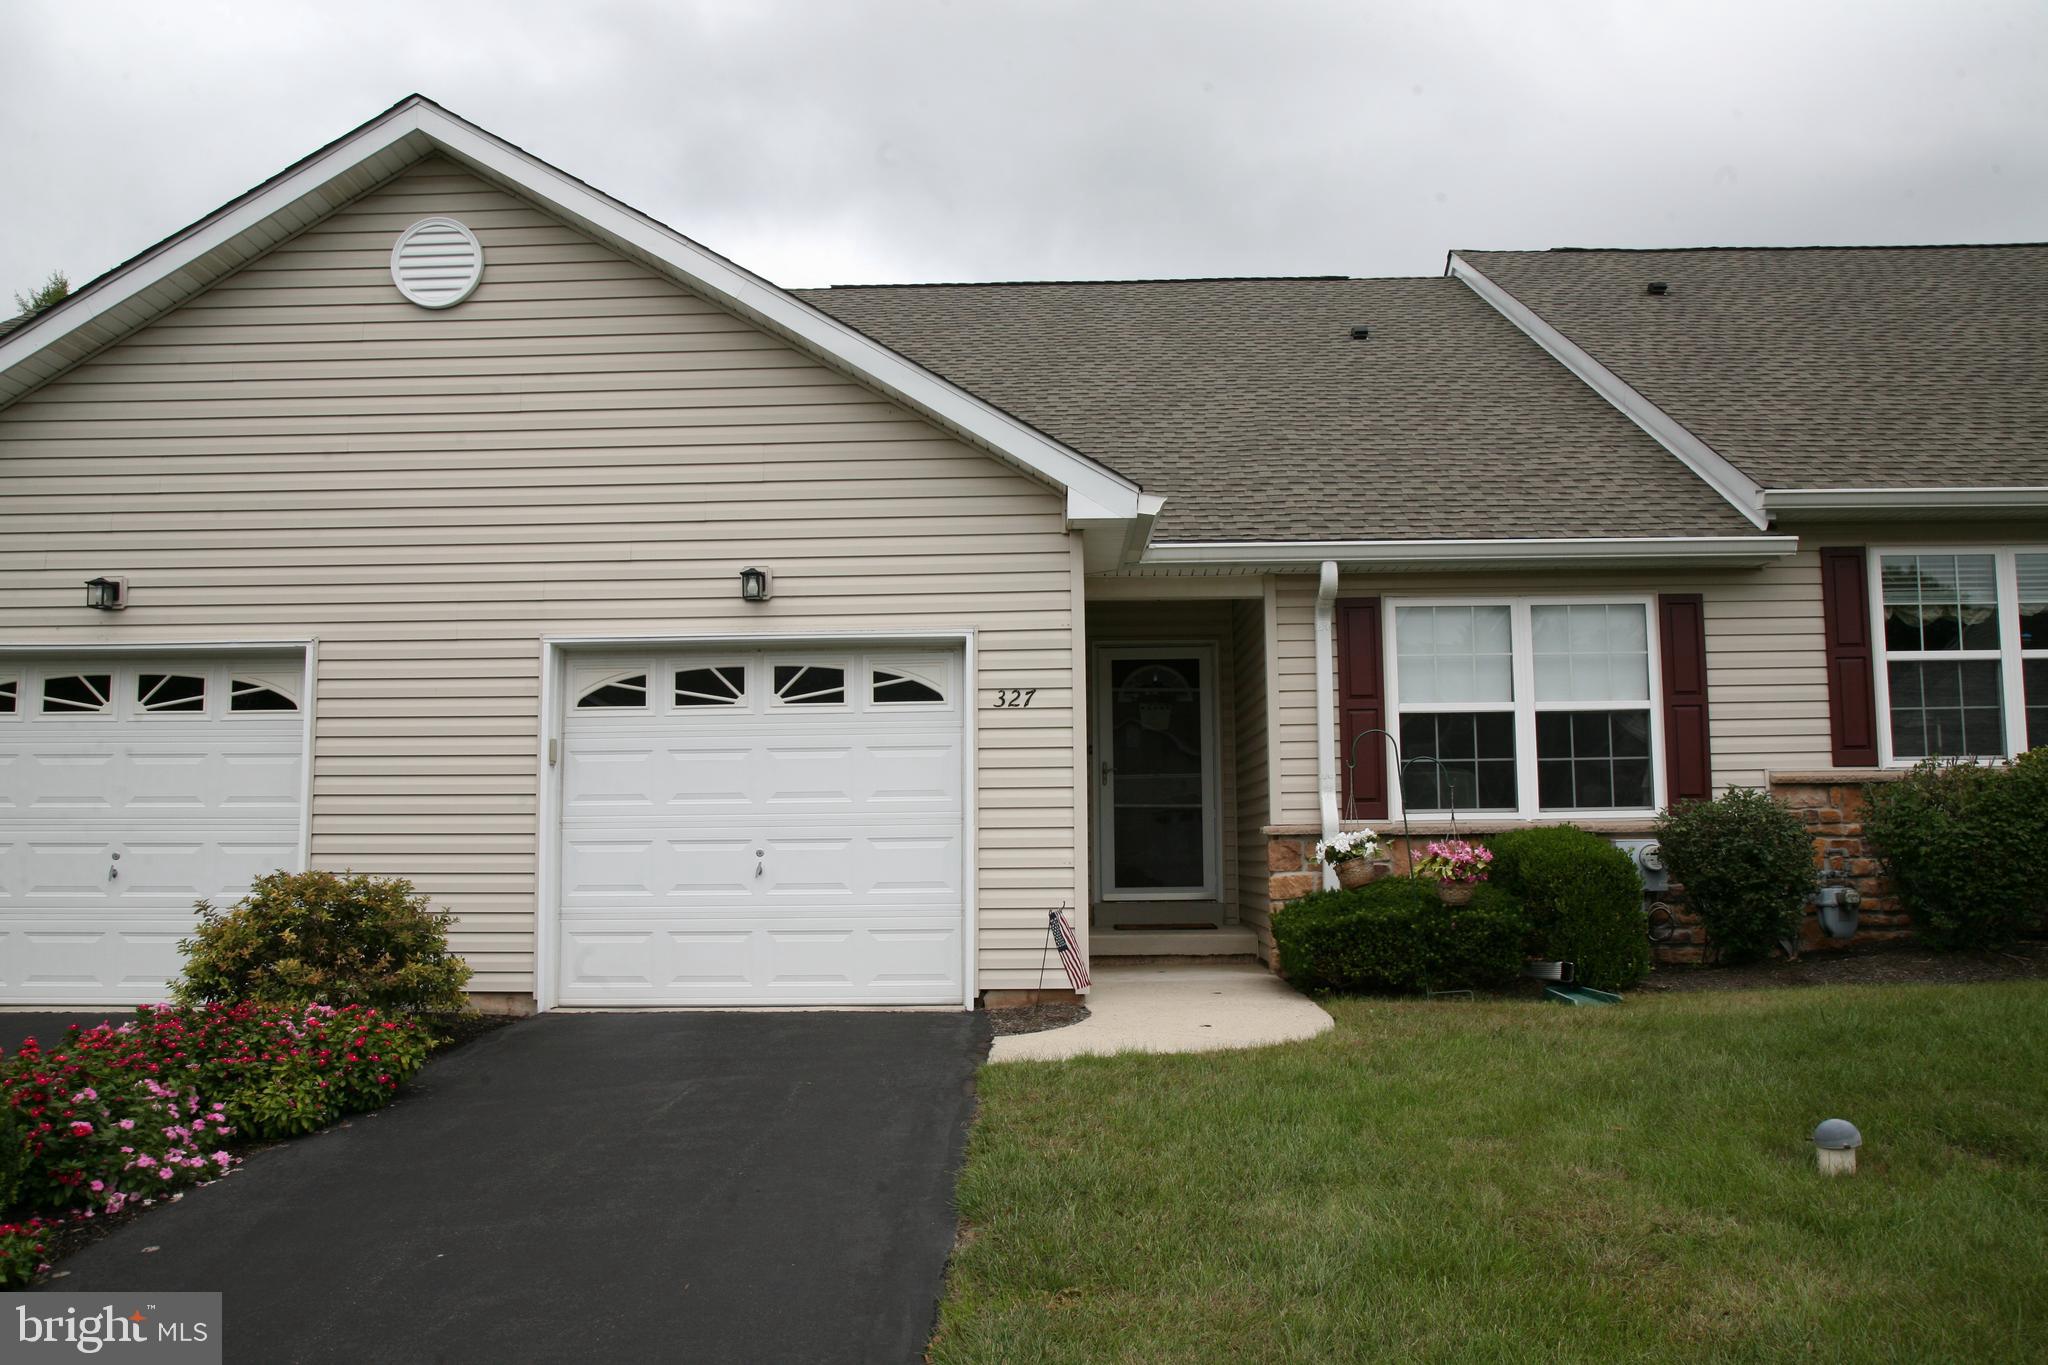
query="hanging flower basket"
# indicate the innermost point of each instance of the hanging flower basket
(1353, 873)
(1352, 856)
(1458, 868)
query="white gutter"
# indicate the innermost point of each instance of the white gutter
(2019, 498)
(1610, 551)
(1326, 709)
(1742, 492)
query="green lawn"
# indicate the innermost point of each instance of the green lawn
(1525, 1181)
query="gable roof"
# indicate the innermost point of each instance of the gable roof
(1249, 405)
(1908, 373)
(1106, 505)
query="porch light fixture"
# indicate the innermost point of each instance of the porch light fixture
(106, 594)
(756, 585)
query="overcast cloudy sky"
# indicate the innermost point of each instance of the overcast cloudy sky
(845, 141)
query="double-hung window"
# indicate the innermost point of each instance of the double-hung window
(1525, 707)
(1965, 641)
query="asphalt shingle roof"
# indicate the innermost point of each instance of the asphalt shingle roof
(1820, 367)
(1248, 404)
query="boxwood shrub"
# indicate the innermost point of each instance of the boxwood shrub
(1746, 863)
(1395, 935)
(1967, 846)
(301, 938)
(1583, 899)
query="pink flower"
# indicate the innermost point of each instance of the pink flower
(81, 1129)
(98, 1185)
(127, 1124)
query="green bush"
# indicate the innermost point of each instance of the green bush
(1583, 898)
(1967, 846)
(1746, 864)
(324, 938)
(1395, 935)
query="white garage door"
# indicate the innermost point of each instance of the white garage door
(129, 789)
(770, 828)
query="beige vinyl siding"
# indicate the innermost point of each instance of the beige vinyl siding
(1251, 812)
(1766, 667)
(1189, 622)
(582, 448)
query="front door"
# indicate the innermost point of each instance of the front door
(1156, 773)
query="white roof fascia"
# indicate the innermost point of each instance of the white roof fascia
(1579, 552)
(730, 285)
(2018, 499)
(1741, 492)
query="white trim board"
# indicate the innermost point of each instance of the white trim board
(1742, 493)
(1898, 503)
(1503, 552)
(175, 270)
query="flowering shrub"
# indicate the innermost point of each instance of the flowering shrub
(99, 1127)
(140, 1109)
(1455, 861)
(21, 1250)
(1350, 847)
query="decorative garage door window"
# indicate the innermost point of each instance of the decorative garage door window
(897, 689)
(712, 685)
(1525, 707)
(258, 695)
(183, 692)
(10, 693)
(73, 693)
(810, 685)
(622, 691)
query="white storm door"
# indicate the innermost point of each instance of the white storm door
(773, 827)
(1157, 779)
(130, 788)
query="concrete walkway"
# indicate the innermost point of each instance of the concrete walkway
(1175, 1007)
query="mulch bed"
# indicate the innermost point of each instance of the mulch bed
(1035, 1018)
(1878, 965)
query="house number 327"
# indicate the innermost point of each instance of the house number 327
(1009, 697)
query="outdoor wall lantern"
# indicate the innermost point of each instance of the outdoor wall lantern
(106, 594)
(756, 585)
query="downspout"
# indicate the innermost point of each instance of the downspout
(1326, 709)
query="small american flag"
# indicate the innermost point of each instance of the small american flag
(1070, 956)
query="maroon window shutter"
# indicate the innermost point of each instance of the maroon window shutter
(1688, 754)
(1852, 669)
(1361, 706)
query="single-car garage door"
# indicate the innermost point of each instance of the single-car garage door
(777, 827)
(131, 787)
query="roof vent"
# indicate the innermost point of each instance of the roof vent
(1360, 332)
(1658, 287)
(437, 263)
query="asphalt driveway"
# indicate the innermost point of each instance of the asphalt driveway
(689, 1187)
(48, 1027)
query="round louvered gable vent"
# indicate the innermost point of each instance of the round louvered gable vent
(437, 263)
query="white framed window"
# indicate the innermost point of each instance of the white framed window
(10, 694)
(619, 691)
(1962, 636)
(1525, 706)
